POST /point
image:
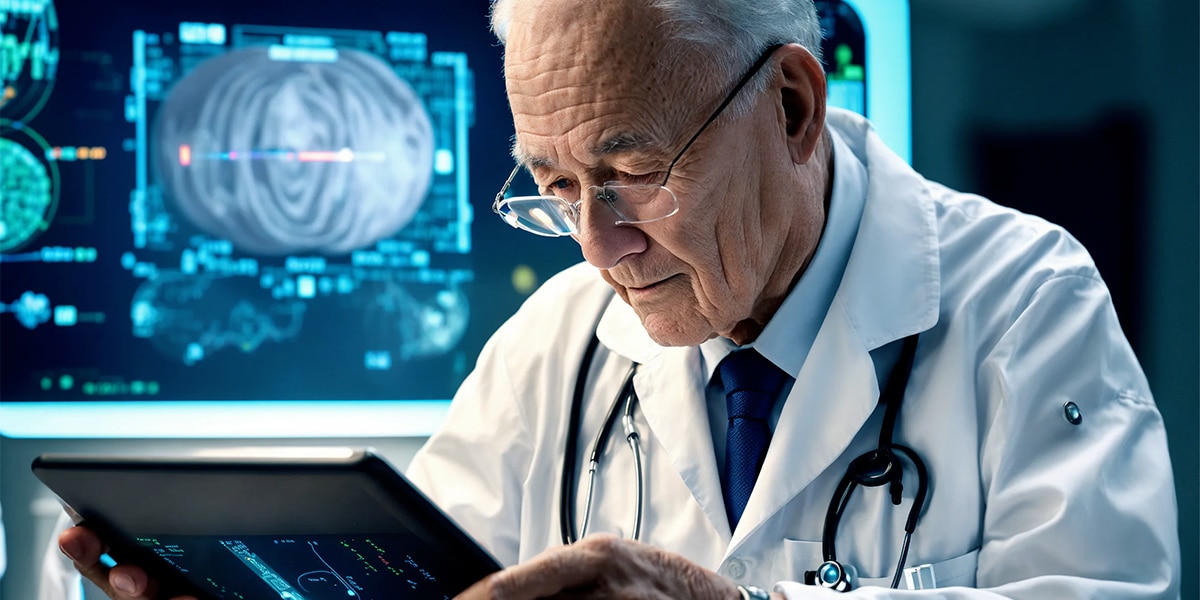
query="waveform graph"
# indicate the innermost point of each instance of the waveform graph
(29, 56)
(29, 186)
(280, 155)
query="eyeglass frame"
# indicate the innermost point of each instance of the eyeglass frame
(750, 73)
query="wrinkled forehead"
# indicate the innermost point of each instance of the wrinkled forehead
(591, 71)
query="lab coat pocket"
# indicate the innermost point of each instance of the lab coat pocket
(800, 556)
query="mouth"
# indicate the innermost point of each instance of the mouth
(648, 288)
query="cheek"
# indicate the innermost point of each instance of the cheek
(720, 248)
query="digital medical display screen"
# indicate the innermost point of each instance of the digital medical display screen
(253, 201)
(233, 200)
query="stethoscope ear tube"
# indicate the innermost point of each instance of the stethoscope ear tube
(631, 436)
(627, 399)
(910, 524)
(598, 447)
(566, 512)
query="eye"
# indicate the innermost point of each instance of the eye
(561, 187)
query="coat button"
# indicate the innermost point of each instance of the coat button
(1072, 414)
(736, 568)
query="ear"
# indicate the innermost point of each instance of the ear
(801, 84)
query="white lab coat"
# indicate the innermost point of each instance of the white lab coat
(1014, 322)
(58, 579)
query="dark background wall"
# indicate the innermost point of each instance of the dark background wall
(1086, 112)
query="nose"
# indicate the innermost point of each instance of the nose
(604, 243)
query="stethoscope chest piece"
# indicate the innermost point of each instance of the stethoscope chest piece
(831, 574)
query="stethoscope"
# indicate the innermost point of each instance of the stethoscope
(628, 399)
(873, 469)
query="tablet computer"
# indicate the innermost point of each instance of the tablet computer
(255, 526)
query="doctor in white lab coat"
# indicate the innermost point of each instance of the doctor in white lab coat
(807, 239)
(1014, 323)
(1047, 457)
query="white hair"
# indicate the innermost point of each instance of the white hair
(730, 34)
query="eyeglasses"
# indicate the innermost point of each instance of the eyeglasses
(554, 216)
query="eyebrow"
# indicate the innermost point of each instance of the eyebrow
(617, 144)
(622, 142)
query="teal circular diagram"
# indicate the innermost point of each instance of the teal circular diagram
(29, 44)
(26, 195)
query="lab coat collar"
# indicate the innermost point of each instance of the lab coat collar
(892, 285)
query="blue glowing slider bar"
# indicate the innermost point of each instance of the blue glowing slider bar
(302, 54)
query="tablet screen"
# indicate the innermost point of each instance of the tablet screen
(310, 567)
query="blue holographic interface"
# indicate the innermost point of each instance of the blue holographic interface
(318, 567)
(195, 208)
(234, 200)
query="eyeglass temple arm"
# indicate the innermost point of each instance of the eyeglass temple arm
(758, 64)
(504, 188)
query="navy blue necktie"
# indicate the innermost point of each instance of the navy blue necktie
(751, 385)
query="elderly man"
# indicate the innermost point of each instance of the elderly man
(783, 281)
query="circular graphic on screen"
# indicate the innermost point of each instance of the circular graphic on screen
(29, 31)
(28, 188)
(281, 156)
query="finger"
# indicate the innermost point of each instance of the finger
(84, 548)
(81, 545)
(549, 574)
(538, 578)
(480, 590)
(124, 582)
(131, 582)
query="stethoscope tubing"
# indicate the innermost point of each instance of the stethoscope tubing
(631, 436)
(566, 513)
(626, 402)
(627, 399)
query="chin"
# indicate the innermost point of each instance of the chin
(668, 330)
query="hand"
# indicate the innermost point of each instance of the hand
(605, 566)
(122, 582)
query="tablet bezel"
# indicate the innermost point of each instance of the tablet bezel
(350, 492)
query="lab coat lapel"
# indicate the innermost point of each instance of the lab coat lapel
(678, 415)
(675, 411)
(835, 392)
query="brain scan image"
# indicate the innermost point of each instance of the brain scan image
(237, 211)
(287, 156)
